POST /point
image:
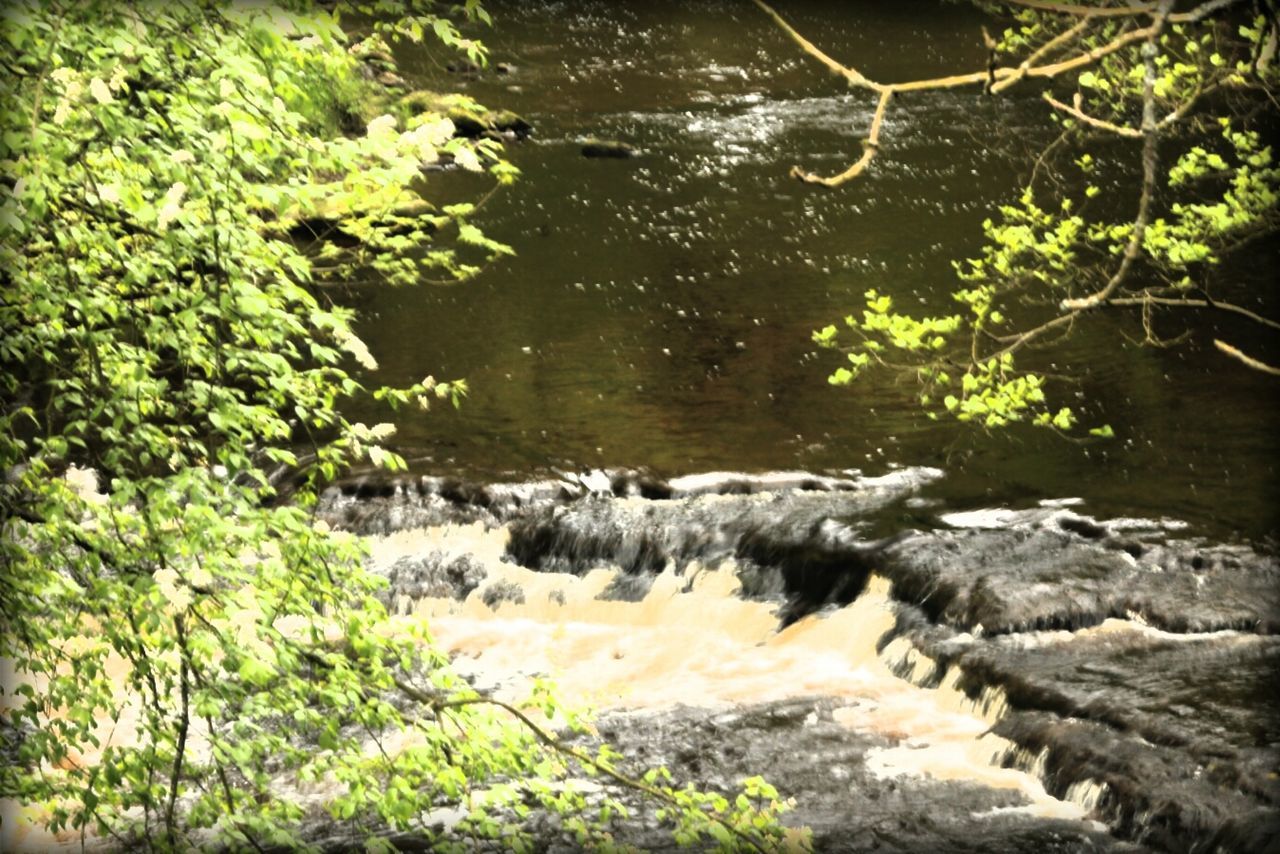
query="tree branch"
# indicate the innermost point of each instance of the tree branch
(1076, 113)
(1189, 302)
(1150, 136)
(1040, 53)
(1236, 353)
(870, 146)
(851, 75)
(996, 79)
(582, 756)
(1195, 14)
(1087, 11)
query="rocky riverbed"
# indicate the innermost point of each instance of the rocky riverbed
(1002, 680)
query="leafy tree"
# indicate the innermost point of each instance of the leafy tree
(1178, 98)
(189, 648)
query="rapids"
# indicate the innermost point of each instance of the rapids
(1037, 677)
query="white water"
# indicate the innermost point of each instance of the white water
(692, 641)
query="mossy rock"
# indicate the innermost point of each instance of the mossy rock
(328, 211)
(506, 121)
(467, 121)
(423, 101)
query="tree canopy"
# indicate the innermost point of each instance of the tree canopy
(1160, 169)
(192, 651)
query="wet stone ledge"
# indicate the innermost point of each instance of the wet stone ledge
(1121, 656)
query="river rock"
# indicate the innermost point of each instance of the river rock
(502, 591)
(806, 755)
(468, 122)
(607, 148)
(433, 575)
(1053, 569)
(1117, 656)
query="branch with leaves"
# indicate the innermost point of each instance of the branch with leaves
(191, 648)
(995, 79)
(1195, 89)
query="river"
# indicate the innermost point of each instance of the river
(658, 311)
(933, 637)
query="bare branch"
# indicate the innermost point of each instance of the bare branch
(1189, 302)
(1076, 113)
(850, 74)
(1022, 339)
(870, 146)
(1236, 353)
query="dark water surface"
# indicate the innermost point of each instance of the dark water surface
(659, 309)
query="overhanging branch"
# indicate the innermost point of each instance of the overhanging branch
(1236, 353)
(999, 79)
(870, 146)
(1150, 136)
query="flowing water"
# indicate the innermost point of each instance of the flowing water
(933, 639)
(948, 658)
(1034, 676)
(658, 311)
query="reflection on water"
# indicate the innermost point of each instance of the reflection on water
(659, 309)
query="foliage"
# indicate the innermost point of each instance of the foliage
(1176, 103)
(195, 657)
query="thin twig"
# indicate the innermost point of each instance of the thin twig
(1076, 113)
(587, 759)
(1189, 302)
(1236, 353)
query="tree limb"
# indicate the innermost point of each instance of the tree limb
(870, 146)
(1189, 302)
(1040, 53)
(999, 79)
(1150, 135)
(1088, 11)
(1080, 115)
(1236, 353)
(1192, 16)
(852, 75)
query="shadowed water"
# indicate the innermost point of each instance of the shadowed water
(659, 309)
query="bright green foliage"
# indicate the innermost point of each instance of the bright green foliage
(1197, 231)
(191, 648)
(1064, 248)
(881, 328)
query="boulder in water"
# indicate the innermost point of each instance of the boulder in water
(607, 148)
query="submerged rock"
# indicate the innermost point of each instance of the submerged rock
(607, 148)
